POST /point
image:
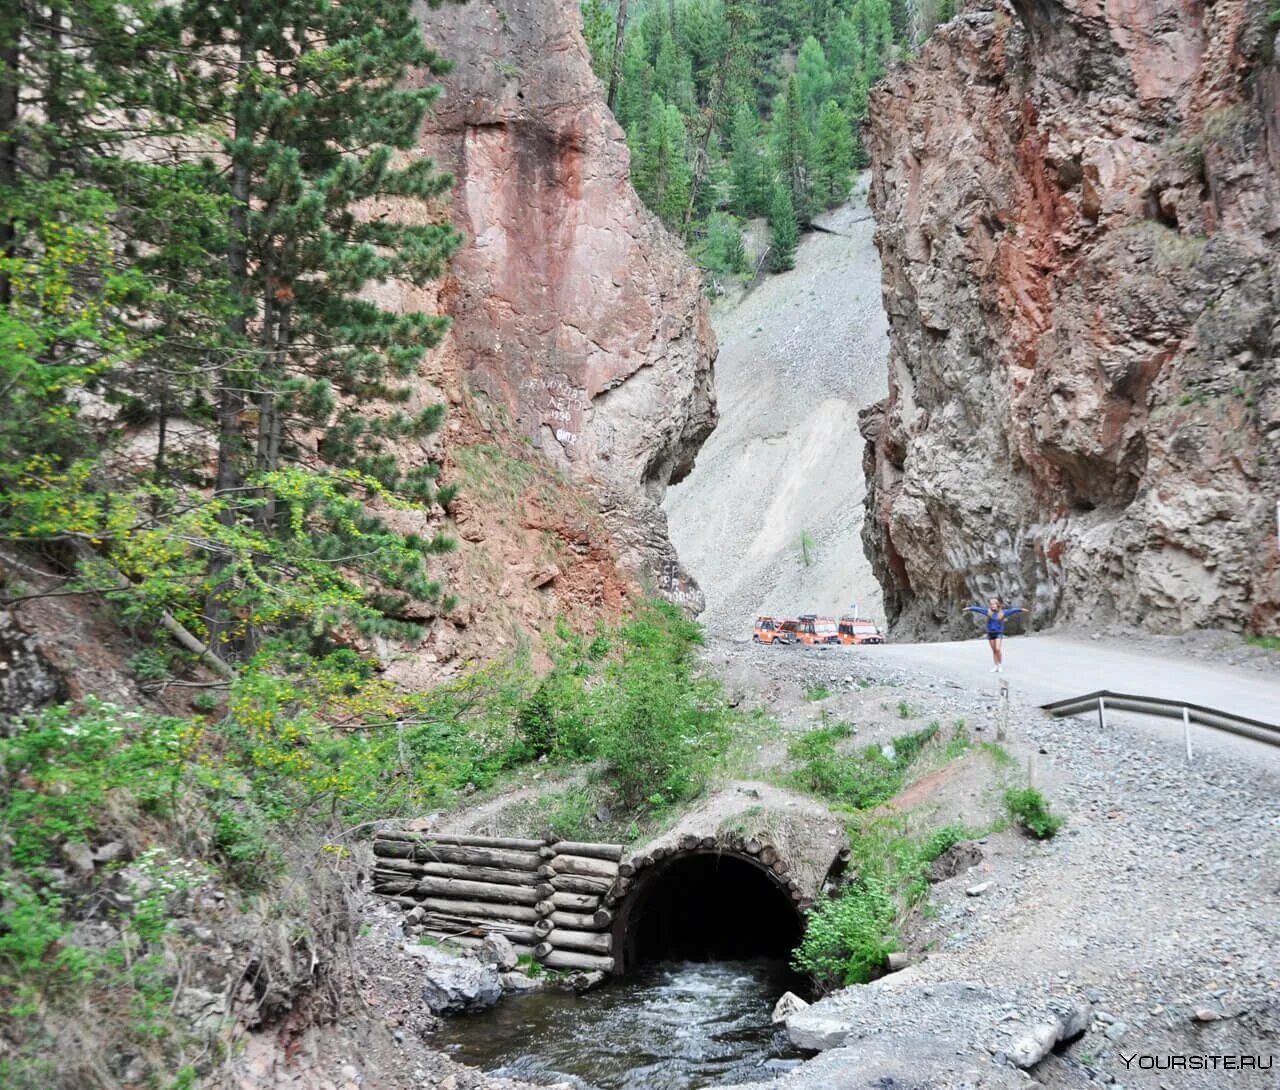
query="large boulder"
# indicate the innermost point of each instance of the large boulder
(452, 984)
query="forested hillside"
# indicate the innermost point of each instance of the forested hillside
(222, 519)
(742, 108)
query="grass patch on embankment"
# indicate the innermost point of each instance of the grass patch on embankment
(850, 933)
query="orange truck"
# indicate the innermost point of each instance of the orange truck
(858, 630)
(772, 630)
(815, 631)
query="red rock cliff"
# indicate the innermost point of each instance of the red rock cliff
(574, 310)
(1078, 206)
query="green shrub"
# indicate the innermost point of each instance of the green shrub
(535, 722)
(904, 710)
(848, 937)
(807, 548)
(817, 692)
(570, 815)
(1030, 810)
(862, 779)
(659, 729)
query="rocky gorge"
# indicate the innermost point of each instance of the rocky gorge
(1078, 208)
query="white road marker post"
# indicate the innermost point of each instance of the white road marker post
(1186, 730)
(1003, 726)
(1102, 713)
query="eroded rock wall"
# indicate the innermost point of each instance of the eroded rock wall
(1078, 207)
(574, 310)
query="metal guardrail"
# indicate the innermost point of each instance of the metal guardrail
(1104, 700)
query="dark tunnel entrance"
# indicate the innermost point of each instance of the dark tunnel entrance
(705, 906)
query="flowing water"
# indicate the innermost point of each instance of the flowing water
(668, 1026)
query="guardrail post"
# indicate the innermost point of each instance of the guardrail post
(1102, 713)
(1186, 730)
(1003, 725)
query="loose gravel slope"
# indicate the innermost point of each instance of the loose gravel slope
(800, 354)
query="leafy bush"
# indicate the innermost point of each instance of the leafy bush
(848, 937)
(535, 722)
(1030, 810)
(722, 251)
(570, 815)
(659, 728)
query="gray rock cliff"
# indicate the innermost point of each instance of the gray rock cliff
(1078, 212)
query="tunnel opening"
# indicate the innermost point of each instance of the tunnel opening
(705, 906)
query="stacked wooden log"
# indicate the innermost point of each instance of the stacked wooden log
(547, 898)
(764, 853)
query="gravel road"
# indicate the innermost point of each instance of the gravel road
(1043, 668)
(1155, 912)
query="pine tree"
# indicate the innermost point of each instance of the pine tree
(793, 151)
(670, 165)
(784, 234)
(833, 155)
(745, 183)
(636, 86)
(109, 236)
(813, 79)
(673, 78)
(313, 131)
(598, 30)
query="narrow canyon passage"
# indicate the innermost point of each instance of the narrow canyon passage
(800, 354)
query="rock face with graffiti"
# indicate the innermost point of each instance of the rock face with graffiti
(1078, 222)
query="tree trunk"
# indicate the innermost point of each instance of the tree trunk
(593, 942)
(451, 840)
(584, 866)
(615, 69)
(474, 874)
(10, 57)
(231, 401)
(479, 910)
(582, 921)
(572, 883)
(571, 959)
(595, 851)
(445, 853)
(465, 887)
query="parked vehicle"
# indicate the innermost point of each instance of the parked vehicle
(772, 630)
(857, 630)
(815, 631)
